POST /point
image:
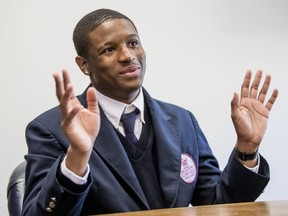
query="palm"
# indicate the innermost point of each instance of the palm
(251, 120)
(83, 128)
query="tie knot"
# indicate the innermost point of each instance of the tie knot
(128, 121)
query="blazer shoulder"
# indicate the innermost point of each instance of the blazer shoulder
(54, 113)
(49, 115)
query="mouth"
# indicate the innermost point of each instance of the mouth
(131, 71)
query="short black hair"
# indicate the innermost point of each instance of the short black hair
(88, 23)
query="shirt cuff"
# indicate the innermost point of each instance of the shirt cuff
(72, 176)
(256, 168)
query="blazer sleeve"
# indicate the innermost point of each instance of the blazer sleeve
(235, 184)
(43, 181)
(239, 184)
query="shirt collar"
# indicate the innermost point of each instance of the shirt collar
(113, 109)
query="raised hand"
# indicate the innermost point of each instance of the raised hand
(80, 125)
(250, 114)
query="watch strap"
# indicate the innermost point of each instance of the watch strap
(246, 156)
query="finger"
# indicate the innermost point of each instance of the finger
(246, 84)
(59, 86)
(272, 99)
(66, 78)
(65, 100)
(234, 105)
(255, 85)
(264, 89)
(92, 102)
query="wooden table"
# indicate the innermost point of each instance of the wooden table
(270, 208)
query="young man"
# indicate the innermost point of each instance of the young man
(83, 160)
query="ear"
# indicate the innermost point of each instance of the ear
(83, 65)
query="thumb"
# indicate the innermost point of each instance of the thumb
(92, 102)
(234, 104)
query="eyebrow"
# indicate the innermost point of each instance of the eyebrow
(111, 42)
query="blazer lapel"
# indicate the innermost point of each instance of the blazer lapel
(168, 151)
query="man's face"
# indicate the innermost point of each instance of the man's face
(116, 60)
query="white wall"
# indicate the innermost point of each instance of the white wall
(197, 54)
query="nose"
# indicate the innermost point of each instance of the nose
(126, 55)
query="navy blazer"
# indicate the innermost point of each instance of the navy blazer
(188, 170)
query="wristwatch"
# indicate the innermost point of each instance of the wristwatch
(246, 156)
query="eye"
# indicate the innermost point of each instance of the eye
(108, 50)
(134, 43)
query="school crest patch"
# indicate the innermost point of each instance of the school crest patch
(188, 168)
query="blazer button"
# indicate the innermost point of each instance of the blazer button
(52, 205)
(49, 210)
(53, 199)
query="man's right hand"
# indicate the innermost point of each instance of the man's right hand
(80, 125)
